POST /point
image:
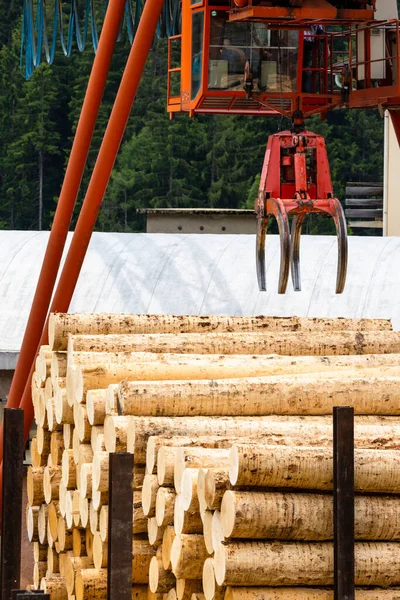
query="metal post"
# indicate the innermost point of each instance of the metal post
(120, 522)
(29, 595)
(343, 502)
(13, 468)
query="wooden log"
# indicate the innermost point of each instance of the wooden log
(62, 325)
(186, 521)
(210, 587)
(56, 447)
(96, 406)
(62, 498)
(154, 532)
(69, 517)
(115, 433)
(58, 367)
(97, 439)
(34, 486)
(168, 539)
(316, 343)
(165, 465)
(100, 471)
(311, 468)
(171, 595)
(293, 564)
(369, 393)
(52, 423)
(82, 423)
(53, 514)
(198, 596)
(83, 453)
(76, 512)
(43, 364)
(93, 518)
(89, 543)
(186, 587)
(64, 537)
(139, 518)
(83, 511)
(67, 433)
(270, 515)
(99, 552)
(103, 523)
(142, 555)
(85, 479)
(140, 592)
(39, 552)
(207, 531)
(39, 571)
(91, 584)
(149, 495)
(190, 500)
(55, 586)
(197, 458)
(64, 413)
(72, 565)
(68, 470)
(51, 482)
(41, 413)
(217, 533)
(216, 482)
(99, 499)
(42, 523)
(370, 431)
(38, 460)
(112, 399)
(32, 518)
(43, 440)
(52, 561)
(165, 506)
(286, 593)
(160, 580)
(188, 554)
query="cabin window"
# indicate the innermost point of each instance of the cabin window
(197, 51)
(272, 55)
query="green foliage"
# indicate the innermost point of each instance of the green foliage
(208, 161)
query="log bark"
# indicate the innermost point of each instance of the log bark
(68, 470)
(85, 478)
(311, 468)
(139, 519)
(51, 482)
(62, 325)
(100, 471)
(43, 440)
(166, 465)
(293, 564)
(188, 554)
(56, 447)
(58, 366)
(270, 515)
(370, 393)
(53, 513)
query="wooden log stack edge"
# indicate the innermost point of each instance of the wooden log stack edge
(229, 421)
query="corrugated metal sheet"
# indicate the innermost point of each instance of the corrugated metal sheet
(201, 274)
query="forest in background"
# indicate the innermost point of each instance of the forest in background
(209, 161)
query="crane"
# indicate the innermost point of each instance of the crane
(294, 58)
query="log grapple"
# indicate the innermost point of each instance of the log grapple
(296, 182)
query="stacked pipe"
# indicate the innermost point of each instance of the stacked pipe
(229, 420)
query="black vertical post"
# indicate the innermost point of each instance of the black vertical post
(343, 502)
(13, 473)
(120, 522)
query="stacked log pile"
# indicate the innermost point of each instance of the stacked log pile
(229, 421)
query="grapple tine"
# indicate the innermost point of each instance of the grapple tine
(341, 231)
(277, 208)
(297, 226)
(262, 223)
